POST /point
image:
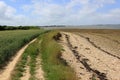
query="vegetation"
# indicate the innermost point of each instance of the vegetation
(28, 59)
(17, 28)
(33, 51)
(11, 41)
(55, 68)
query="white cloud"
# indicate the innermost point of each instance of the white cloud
(8, 14)
(75, 12)
(55, 13)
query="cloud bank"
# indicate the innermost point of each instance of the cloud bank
(64, 12)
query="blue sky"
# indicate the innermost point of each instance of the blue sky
(59, 12)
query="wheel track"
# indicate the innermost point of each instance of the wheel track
(88, 39)
(116, 41)
(83, 61)
(6, 74)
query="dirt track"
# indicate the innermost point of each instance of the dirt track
(89, 60)
(5, 75)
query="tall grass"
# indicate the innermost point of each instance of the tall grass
(53, 65)
(11, 41)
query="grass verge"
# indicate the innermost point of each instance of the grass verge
(53, 66)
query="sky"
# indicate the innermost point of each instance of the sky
(59, 12)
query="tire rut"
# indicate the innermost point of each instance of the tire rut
(26, 74)
(39, 71)
(88, 39)
(83, 61)
(116, 41)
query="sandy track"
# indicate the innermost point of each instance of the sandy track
(39, 72)
(26, 74)
(5, 75)
(88, 61)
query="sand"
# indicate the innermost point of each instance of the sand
(88, 60)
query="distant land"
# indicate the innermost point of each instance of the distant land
(99, 26)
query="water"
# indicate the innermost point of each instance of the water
(86, 27)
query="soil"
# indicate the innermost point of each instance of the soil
(39, 71)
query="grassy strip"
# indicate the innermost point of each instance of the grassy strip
(33, 53)
(54, 67)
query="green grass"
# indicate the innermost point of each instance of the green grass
(53, 66)
(12, 41)
(33, 51)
